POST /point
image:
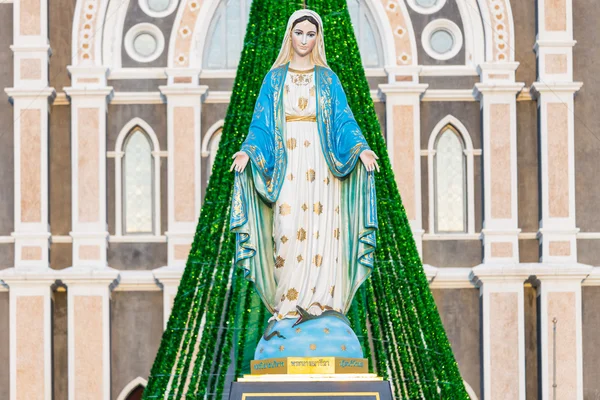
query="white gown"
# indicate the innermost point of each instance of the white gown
(307, 221)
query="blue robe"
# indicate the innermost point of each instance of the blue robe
(258, 187)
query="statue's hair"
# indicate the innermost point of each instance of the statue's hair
(306, 18)
(317, 56)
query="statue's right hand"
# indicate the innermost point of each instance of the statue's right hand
(240, 161)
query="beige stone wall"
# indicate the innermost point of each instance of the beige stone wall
(4, 343)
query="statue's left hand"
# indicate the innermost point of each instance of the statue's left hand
(369, 159)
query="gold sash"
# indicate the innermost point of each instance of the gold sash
(293, 118)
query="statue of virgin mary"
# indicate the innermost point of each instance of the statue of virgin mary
(304, 213)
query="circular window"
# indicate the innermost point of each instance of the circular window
(158, 8)
(426, 6)
(144, 42)
(158, 5)
(442, 39)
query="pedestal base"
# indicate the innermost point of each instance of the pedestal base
(300, 387)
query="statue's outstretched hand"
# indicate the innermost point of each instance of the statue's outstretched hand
(369, 159)
(240, 161)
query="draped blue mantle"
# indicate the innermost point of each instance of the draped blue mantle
(258, 187)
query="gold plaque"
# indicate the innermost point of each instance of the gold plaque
(310, 365)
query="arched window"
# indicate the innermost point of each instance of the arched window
(133, 390)
(210, 145)
(213, 146)
(138, 184)
(137, 180)
(226, 35)
(450, 182)
(228, 27)
(451, 179)
(366, 33)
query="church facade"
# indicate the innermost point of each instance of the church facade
(112, 117)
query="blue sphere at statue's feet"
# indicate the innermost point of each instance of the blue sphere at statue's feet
(320, 337)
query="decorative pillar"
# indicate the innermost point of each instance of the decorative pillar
(169, 277)
(497, 94)
(555, 91)
(403, 138)
(88, 95)
(30, 334)
(503, 330)
(30, 96)
(88, 342)
(560, 331)
(184, 100)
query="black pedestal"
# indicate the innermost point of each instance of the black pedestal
(338, 390)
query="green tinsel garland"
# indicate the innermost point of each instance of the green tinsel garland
(217, 314)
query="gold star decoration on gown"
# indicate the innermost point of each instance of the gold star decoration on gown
(279, 262)
(317, 235)
(302, 103)
(318, 208)
(290, 176)
(291, 143)
(284, 239)
(336, 233)
(304, 207)
(310, 175)
(281, 348)
(285, 209)
(301, 236)
(326, 181)
(314, 290)
(298, 330)
(318, 260)
(326, 331)
(299, 258)
(306, 143)
(313, 346)
(343, 347)
(337, 209)
(292, 294)
(312, 91)
(282, 298)
(332, 290)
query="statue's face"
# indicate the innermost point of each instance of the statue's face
(304, 38)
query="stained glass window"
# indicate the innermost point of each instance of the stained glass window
(450, 183)
(226, 35)
(138, 184)
(368, 43)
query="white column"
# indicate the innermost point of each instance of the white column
(503, 330)
(88, 342)
(89, 95)
(497, 94)
(560, 330)
(30, 333)
(184, 101)
(169, 277)
(403, 139)
(29, 96)
(555, 90)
